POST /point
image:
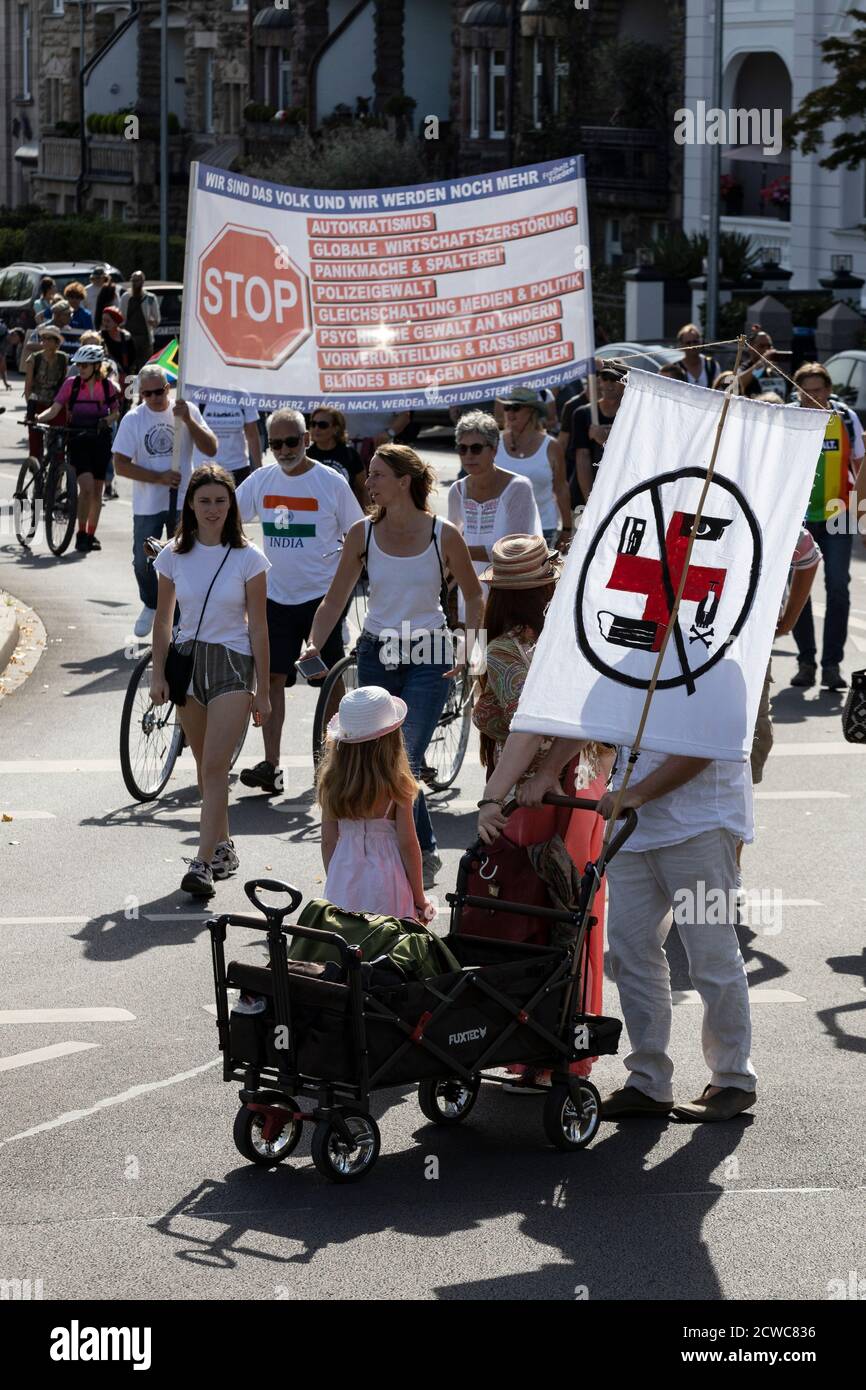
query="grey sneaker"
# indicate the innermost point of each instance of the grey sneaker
(225, 861)
(832, 678)
(264, 775)
(430, 866)
(198, 879)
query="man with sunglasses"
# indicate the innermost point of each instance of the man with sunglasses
(143, 449)
(305, 509)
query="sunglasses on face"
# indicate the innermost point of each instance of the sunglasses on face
(513, 409)
(320, 424)
(474, 449)
(291, 441)
(157, 391)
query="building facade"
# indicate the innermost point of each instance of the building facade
(805, 216)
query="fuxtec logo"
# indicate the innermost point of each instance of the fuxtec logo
(470, 1035)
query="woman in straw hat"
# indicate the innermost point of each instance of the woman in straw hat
(526, 449)
(522, 579)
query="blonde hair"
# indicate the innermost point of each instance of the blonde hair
(353, 778)
(405, 463)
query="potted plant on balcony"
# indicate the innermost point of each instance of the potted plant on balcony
(776, 196)
(732, 195)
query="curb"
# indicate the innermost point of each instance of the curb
(9, 632)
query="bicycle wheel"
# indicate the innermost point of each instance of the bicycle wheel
(447, 748)
(150, 738)
(61, 506)
(240, 743)
(25, 501)
(340, 679)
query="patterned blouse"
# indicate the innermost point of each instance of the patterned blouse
(508, 661)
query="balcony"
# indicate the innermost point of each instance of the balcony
(113, 159)
(626, 166)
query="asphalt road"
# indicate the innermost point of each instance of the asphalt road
(119, 1175)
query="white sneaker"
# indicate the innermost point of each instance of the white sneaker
(144, 622)
(225, 860)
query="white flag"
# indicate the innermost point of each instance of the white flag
(600, 643)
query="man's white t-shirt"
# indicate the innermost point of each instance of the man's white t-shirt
(225, 616)
(147, 438)
(719, 798)
(227, 421)
(304, 518)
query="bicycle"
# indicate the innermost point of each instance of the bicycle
(151, 736)
(446, 750)
(50, 482)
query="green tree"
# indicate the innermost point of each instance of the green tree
(843, 100)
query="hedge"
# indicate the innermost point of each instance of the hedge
(11, 245)
(86, 239)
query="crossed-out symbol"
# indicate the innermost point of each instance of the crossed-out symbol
(659, 580)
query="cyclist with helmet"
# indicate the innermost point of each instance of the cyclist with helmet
(92, 403)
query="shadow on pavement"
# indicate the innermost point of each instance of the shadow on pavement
(856, 967)
(496, 1166)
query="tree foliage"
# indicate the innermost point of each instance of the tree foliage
(844, 99)
(347, 157)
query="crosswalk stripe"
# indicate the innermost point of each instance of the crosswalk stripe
(802, 796)
(98, 1015)
(35, 767)
(758, 995)
(43, 921)
(43, 1054)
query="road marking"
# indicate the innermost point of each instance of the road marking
(43, 1054)
(30, 815)
(65, 1016)
(803, 796)
(179, 916)
(43, 921)
(809, 750)
(132, 1094)
(36, 766)
(758, 995)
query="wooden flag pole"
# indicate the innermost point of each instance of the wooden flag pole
(635, 746)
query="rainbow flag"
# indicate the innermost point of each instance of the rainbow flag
(167, 359)
(832, 483)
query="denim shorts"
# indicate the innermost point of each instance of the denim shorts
(217, 670)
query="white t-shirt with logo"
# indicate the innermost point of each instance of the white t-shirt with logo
(147, 438)
(225, 616)
(227, 421)
(719, 798)
(304, 518)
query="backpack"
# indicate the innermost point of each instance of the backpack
(447, 598)
(76, 392)
(418, 954)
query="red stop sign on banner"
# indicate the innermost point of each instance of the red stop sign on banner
(252, 300)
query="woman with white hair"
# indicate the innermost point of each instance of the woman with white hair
(489, 502)
(305, 509)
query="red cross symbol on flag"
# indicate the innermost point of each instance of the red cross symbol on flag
(636, 574)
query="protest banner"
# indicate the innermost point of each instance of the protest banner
(445, 293)
(596, 657)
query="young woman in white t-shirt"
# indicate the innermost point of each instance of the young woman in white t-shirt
(231, 666)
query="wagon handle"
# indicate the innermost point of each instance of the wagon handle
(273, 885)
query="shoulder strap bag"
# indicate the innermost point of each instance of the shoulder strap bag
(179, 665)
(854, 713)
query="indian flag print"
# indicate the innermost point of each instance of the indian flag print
(289, 517)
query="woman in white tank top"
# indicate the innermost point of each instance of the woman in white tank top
(526, 449)
(405, 646)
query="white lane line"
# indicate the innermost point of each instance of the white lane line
(65, 1016)
(802, 796)
(132, 1094)
(43, 1054)
(29, 815)
(792, 902)
(179, 916)
(809, 750)
(759, 995)
(43, 921)
(34, 767)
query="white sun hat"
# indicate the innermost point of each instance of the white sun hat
(365, 714)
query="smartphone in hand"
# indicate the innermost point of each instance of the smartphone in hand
(312, 668)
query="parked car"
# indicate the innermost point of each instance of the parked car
(647, 357)
(848, 370)
(169, 297)
(19, 287)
